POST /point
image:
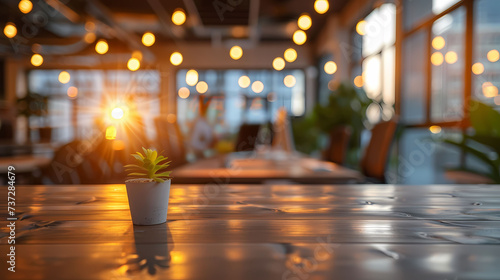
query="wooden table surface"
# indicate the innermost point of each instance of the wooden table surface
(294, 232)
(297, 170)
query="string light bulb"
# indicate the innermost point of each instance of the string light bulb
(133, 64)
(10, 30)
(25, 6)
(176, 58)
(36, 60)
(179, 17)
(299, 37)
(290, 55)
(236, 52)
(148, 39)
(101, 47)
(278, 64)
(304, 22)
(321, 6)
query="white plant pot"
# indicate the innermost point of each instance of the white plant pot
(148, 201)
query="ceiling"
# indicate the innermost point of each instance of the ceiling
(59, 25)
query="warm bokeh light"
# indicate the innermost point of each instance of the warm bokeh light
(493, 56)
(176, 58)
(89, 37)
(133, 64)
(236, 52)
(278, 64)
(330, 67)
(438, 43)
(289, 81)
(299, 37)
(148, 39)
(117, 113)
(137, 54)
(118, 145)
(64, 77)
(183, 92)
(101, 47)
(360, 27)
(451, 57)
(257, 86)
(435, 129)
(36, 60)
(191, 77)
(90, 26)
(179, 17)
(489, 90)
(290, 55)
(321, 6)
(10, 30)
(478, 68)
(358, 81)
(25, 6)
(72, 92)
(244, 81)
(437, 58)
(497, 100)
(171, 118)
(304, 22)
(202, 87)
(111, 132)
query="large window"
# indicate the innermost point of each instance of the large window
(373, 60)
(449, 54)
(234, 97)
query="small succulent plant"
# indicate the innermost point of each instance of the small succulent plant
(149, 166)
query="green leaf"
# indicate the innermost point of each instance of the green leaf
(139, 154)
(154, 154)
(137, 174)
(139, 158)
(164, 174)
(484, 119)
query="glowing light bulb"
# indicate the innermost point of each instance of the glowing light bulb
(278, 64)
(25, 6)
(330, 67)
(299, 37)
(358, 81)
(478, 68)
(176, 58)
(117, 113)
(148, 39)
(191, 77)
(438, 43)
(236, 52)
(64, 77)
(10, 30)
(289, 81)
(451, 57)
(435, 129)
(101, 47)
(244, 81)
(360, 27)
(133, 64)
(489, 90)
(321, 6)
(257, 86)
(493, 56)
(179, 17)
(304, 22)
(183, 92)
(36, 60)
(437, 58)
(110, 132)
(72, 92)
(201, 87)
(290, 55)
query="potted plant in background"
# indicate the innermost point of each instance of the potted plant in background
(148, 188)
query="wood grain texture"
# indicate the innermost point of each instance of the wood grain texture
(219, 231)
